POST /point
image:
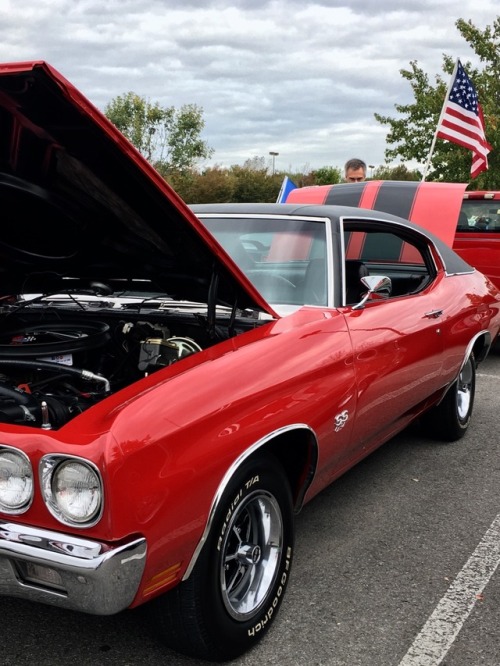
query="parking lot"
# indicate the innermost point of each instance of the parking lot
(395, 565)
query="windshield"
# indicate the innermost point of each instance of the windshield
(278, 255)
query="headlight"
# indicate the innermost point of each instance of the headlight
(16, 481)
(72, 489)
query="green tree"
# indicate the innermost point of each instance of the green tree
(169, 138)
(253, 183)
(400, 172)
(327, 176)
(213, 185)
(410, 135)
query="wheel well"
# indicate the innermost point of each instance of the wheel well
(297, 452)
(481, 347)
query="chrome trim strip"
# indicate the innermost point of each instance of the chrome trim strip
(487, 336)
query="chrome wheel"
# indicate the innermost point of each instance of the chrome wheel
(251, 553)
(450, 419)
(237, 586)
(465, 390)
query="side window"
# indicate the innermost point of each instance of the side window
(376, 252)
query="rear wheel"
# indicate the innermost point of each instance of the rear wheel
(238, 583)
(451, 418)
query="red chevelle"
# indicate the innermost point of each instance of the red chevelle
(176, 383)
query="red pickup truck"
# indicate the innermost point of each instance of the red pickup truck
(477, 214)
(478, 233)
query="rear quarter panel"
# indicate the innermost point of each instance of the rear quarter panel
(471, 305)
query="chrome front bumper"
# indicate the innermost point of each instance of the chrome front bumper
(68, 571)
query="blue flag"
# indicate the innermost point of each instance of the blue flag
(286, 187)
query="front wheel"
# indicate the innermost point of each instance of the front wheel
(238, 583)
(451, 418)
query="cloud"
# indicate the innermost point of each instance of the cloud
(297, 77)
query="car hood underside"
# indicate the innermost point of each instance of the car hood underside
(81, 204)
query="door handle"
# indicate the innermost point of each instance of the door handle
(433, 314)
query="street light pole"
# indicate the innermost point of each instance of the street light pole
(274, 155)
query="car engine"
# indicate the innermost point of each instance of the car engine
(55, 364)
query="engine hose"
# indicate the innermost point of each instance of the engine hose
(15, 394)
(16, 414)
(57, 367)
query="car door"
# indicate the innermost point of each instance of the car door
(396, 339)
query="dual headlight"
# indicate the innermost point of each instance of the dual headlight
(16, 481)
(71, 486)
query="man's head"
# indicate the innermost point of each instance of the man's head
(354, 171)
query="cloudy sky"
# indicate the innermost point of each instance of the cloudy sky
(298, 77)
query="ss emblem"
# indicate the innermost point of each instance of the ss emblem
(341, 420)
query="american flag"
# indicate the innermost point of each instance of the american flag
(462, 120)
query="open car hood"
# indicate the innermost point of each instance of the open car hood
(81, 204)
(434, 206)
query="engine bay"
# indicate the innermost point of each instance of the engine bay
(56, 361)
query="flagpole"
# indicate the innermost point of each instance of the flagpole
(428, 163)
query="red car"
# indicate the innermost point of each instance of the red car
(476, 215)
(175, 385)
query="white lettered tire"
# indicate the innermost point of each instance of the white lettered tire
(238, 583)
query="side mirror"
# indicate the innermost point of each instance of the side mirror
(379, 287)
